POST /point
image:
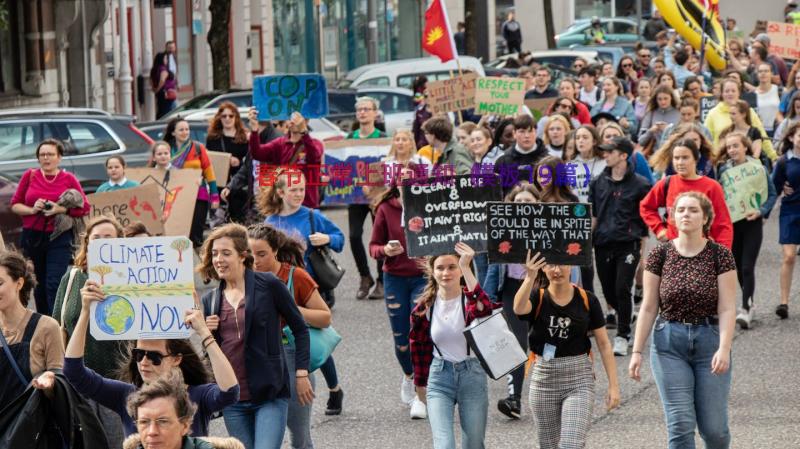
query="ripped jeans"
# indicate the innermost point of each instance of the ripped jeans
(400, 294)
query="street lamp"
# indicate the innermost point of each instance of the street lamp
(124, 79)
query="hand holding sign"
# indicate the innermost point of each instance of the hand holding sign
(194, 319)
(277, 96)
(466, 254)
(534, 264)
(91, 292)
(252, 117)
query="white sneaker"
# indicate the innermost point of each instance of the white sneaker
(407, 391)
(418, 409)
(620, 346)
(744, 318)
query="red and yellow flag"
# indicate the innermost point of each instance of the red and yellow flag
(436, 37)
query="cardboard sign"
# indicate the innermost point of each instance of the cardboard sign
(561, 232)
(499, 96)
(177, 190)
(148, 283)
(745, 188)
(539, 106)
(439, 214)
(141, 203)
(784, 39)
(451, 95)
(706, 105)
(277, 96)
(222, 166)
(350, 164)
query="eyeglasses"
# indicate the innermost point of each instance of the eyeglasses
(644, 55)
(153, 356)
(627, 66)
(161, 423)
(227, 115)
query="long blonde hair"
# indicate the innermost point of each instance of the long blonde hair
(269, 201)
(662, 158)
(410, 136)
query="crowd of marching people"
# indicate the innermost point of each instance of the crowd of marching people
(630, 141)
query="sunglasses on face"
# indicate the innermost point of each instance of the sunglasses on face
(153, 356)
(645, 55)
(627, 66)
(226, 115)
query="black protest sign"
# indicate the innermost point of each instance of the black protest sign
(441, 213)
(561, 232)
(706, 105)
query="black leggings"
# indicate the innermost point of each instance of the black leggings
(356, 214)
(616, 268)
(747, 237)
(520, 330)
(199, 223)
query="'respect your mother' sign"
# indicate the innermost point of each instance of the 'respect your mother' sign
(561, 232)
(148, 284)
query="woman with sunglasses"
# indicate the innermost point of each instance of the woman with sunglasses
(227, 134)
(149, 360)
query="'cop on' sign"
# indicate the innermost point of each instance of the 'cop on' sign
(277, 96)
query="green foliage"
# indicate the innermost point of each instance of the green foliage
(4, 20)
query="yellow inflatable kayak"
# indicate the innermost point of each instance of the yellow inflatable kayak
(686, 17)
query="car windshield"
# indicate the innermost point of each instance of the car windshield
(197, 102)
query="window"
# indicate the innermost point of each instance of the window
(382, 81)
(18, 141)
(623, 28)
(81, 138)
(341, 102)
(391, 103)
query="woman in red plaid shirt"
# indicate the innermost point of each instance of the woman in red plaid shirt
(445, 373)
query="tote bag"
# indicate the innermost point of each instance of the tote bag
(495, 346)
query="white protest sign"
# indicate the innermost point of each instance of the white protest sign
(148, 284)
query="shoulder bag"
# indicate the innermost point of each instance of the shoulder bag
(328, 273)
(64, 302)
(322, 342)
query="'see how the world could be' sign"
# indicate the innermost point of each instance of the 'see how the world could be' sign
(560, 232)
(148, 283)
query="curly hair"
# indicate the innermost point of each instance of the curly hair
(269, 201)
(215, 127)
(238, 235)
(18, 267)
(81, 255)
(169, 386)
(286, 249)
(705, 206)
(662, 159)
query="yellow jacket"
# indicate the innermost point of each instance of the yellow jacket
(719, 118)
(427, 152)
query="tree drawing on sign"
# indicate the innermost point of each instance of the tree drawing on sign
(102, 270)
(180, 246)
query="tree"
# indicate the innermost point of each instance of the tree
(180, 245)
(219, 44)
(549, 29)
(102, 270)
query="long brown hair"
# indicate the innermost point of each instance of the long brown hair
(269, 202)
(81, 255)
(662, 158)
(553, 191)
(194, 369)
(428, 295)
(238, 235)
(722, 153)
(286, 249)
(215, 127)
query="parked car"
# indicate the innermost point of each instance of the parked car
(211, 100)
(10, 223)
(616, 30)
(563, 58)
(614, 52)
(403, 72)
(90, 136)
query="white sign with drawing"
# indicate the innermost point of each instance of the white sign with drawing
(148, 283)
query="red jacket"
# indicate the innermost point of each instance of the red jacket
(721, 227)
(420, 335)
(387, 227)
(583, 114)
(280, 152)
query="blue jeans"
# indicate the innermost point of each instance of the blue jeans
(328, 370)
(400, 292)
(299, 417)
(457, 384)
(692, 396)
(50, 262)
(257, 426)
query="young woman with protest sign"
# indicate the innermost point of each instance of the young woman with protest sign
(560, 315)
(274, 252)
(403, 281)
(262, 303)
(148, 360)
(690, 295)
(748, 230)
(282, 205)
(445, 373)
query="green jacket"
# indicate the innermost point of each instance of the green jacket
(103, 357)
(458, 156)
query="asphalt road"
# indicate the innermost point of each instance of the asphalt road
(764, 403)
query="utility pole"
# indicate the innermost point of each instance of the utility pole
(124, 78)
(372, 31)
(148, 112)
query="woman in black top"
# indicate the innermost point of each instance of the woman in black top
(227, 133)
(562, 378)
